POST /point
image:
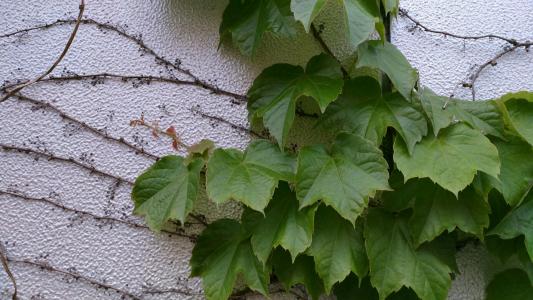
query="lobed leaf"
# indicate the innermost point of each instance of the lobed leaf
(395, 262)
(512, 284)
(450, 159)
(283, 225)
(386, 57)
(344, 177)
(275, 91)
(359, 16)
(221, 254)
(363, 110)
(436, 210)
(248, 177)
(337, 248)
(247, 21)
(167, 190)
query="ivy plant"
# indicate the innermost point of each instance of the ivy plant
(378, 210)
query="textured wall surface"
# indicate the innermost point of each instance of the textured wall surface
(91, 233)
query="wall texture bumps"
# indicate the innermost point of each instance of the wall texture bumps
(47, 242)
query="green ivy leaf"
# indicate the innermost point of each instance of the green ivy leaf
(436, 210)
(283, 225)
(516, 174)
(444, 111)
(222, 253)
(386, 57)
(337, 248)
(521, 116)
(167, 190)
(302, 271)
(395, 262)
(306, 11)
(246, 21)
(344, 177)
(248, 177)
(371, 116)
(451, 159)
(360, 17)
(511, 284)
(517, 223)
(275, 91)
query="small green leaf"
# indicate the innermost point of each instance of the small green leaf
(521, 116)
(444, 111)
(512, 284)
(283, 225)
(246, 21)
(344, 177)
(436, 210)
(306, 11)
(386, 57)
(395, 261)
(516, 174)
(301, 271)
(517, 223)
(275, 91)
(222, 253)
(371, 116)
(337, 248)
(451, 159)
(248, 177)
(167, 190)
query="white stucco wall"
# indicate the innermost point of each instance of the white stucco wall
(134, 259)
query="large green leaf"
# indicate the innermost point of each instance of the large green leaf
(444, 111)
(451, 159)
(436, 210)
(344, 177)
(370, 117)
(283, 225)
(395, 262)
(386, 57)
(302, 271)
(167, 190)
(337, 248)
(512, 284)
(516, 175)
(521, 117)
(246, 21)
(517, 223)
(222, 253)
(275, 91)
(360, 16)
(248, 177)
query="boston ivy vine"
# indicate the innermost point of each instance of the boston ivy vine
(377, 211)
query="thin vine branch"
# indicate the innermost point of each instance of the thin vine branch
(513, 45)
(191, 237)
(5, 265)
(491, 62)
(196, 81)
(404, 13)
(198, 217)
(71, 160)
(196, 110)
(88, 127)
(56, 62)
